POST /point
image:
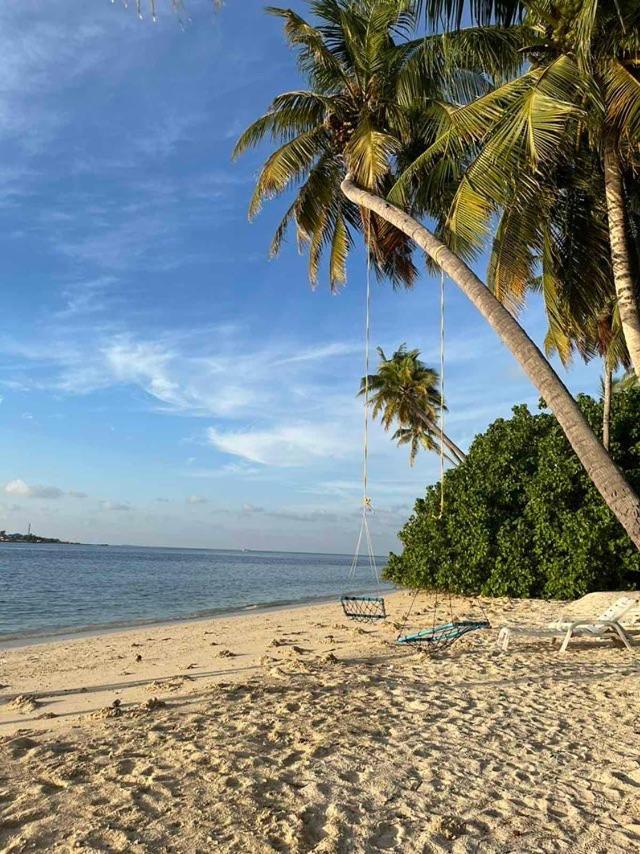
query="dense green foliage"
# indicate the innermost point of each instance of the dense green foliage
(521, 517)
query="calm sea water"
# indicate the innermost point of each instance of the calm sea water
(49, 590)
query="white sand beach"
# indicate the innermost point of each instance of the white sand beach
(296, 731)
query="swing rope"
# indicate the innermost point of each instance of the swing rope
(366, 500)
(365, 608)
(439, 637)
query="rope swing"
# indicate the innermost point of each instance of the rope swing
(365, 608)
(439, 637)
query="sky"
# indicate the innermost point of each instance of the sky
(162, 382)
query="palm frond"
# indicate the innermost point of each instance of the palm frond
(286, 165)
(340, 243)
(514, 255)
(290, 114)
(315, 58)
(623, 99)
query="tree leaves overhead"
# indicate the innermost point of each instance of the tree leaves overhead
(375, 99)
(288, 163)
(622, 95)
(451, 12)
(526, 159)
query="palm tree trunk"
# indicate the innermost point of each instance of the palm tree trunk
(606, 404)
(457, 452)
(606, 477)
(434, 428)
(622, 276)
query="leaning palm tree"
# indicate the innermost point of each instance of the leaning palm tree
(344, 58)
(404, 392)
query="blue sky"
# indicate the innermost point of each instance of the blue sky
(162, 381)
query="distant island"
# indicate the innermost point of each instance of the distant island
(32, 538)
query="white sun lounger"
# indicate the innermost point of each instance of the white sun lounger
(606, 625)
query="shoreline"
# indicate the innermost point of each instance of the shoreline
(19, 641)
(67, 678)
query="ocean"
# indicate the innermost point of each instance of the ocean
(52, 590)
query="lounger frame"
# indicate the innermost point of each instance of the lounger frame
(579, 628)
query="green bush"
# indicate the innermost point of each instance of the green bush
(521, 517)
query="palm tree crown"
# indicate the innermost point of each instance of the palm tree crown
(544, 151)
(373, 98)
(404, 392)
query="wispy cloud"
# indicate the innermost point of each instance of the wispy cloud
(197, 499)
(320, 353)
(86, 297)
(39, 54)
(115, 506)
(20, 489)
(229, 378)
(283, 446)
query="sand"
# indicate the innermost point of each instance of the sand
(296, 731)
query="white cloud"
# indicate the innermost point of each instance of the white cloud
(238, 470)
(284, 445)
(197, 499)
(251, 508)
(116, 506)
(23, 490)
(185, 374)
(324, 351)
(85, 297)
(40, 54)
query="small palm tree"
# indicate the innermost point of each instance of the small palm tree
(404, 392)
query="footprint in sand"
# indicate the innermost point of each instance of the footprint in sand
(152, 704)
(25, 703)
(450, 826)
(298, 650)
(19, 746)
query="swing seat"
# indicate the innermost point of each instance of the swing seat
(438, 638)
(363, 609)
